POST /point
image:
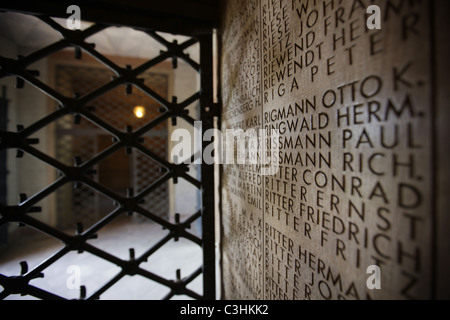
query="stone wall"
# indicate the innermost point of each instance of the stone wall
(357, 111)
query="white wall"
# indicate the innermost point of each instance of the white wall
(27, 174)
(9, 49)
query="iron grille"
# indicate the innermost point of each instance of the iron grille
(80, 173)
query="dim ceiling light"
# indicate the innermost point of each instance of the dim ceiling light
(139, 112)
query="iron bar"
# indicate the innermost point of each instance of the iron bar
(207, 171)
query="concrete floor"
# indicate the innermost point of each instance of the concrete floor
(116, 239)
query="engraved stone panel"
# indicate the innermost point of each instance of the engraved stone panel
(354, 188)
(242, 210)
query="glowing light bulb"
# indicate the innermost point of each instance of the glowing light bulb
(139, 112)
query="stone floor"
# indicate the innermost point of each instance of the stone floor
(116, 239)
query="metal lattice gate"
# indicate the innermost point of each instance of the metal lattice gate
(136, 143)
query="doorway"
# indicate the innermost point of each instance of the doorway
(92, 130)
(80, 140)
